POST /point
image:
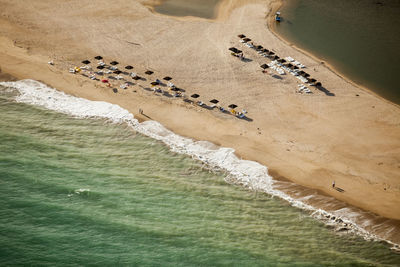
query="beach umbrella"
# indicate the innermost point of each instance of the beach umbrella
(241, 35)
(238, 51)
(312, 80)
(290, 65)
(276, 57)
(136, 78)
(259, 47)
(154, 83)
(149, 72)
(271, 53)
(167, 78)
(214, 101)
(246, 40)
(301, 72)
(318, 84)
(100, 67)
(195, 96)
(129, 67)
(98, 57)
(117, 72)
(295, 67)
(265, 50)
(114, 63)
(264, 66)
(86, 62)
(232, 106)
(233, 49)
(174, 89)
(104, 81)
(306, 74)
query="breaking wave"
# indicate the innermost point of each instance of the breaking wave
(249, 174)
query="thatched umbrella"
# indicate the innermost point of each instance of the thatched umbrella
(114, 63)
(129, 67)
(214, 101)
(86, 62)
(98, 57)
(264, 66)
(232, 106)
(167, 78)
(149, 72)
(241, 35)
(195, 96)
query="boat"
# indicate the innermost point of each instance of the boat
(278, 16)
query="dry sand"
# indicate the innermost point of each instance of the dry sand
(311, 140)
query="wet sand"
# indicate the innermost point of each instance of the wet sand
(351, 138)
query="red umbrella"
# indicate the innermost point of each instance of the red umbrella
(104, 81)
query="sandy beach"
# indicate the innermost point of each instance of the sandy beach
(346, 134)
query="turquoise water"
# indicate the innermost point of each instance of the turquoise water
(360, 38)
(87, 192)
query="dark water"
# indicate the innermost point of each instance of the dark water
(87, 192)
(361, 38)
(181, 8)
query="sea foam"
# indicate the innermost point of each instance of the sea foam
(249, 174)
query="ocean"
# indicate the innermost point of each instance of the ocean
(360, 38)
(83, 183)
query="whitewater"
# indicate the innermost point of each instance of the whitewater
(249, 174)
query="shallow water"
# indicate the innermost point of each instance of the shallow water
(87, 191)
(360, 38)
(182, 8)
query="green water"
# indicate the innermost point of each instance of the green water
(147, 206)
(360, 38)
(181, 8)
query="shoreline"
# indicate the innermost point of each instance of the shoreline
(270, 25)
(268, 148)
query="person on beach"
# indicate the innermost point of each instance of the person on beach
(333, 184)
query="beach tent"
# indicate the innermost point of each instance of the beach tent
(98, 57)
(214, 101)
(232, 106)
(129, 67)
(167, 78)
(114, 63)
(264, 66)
(100, 67)
(149, 72)
(195, 96)
(86, 62)
(241, 35)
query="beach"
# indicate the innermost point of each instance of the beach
(350, 137)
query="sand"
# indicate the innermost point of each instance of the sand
(311, 140)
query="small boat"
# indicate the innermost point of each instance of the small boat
(278, 16)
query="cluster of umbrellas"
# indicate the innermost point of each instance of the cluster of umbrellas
(273, 56)
(149, 72)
